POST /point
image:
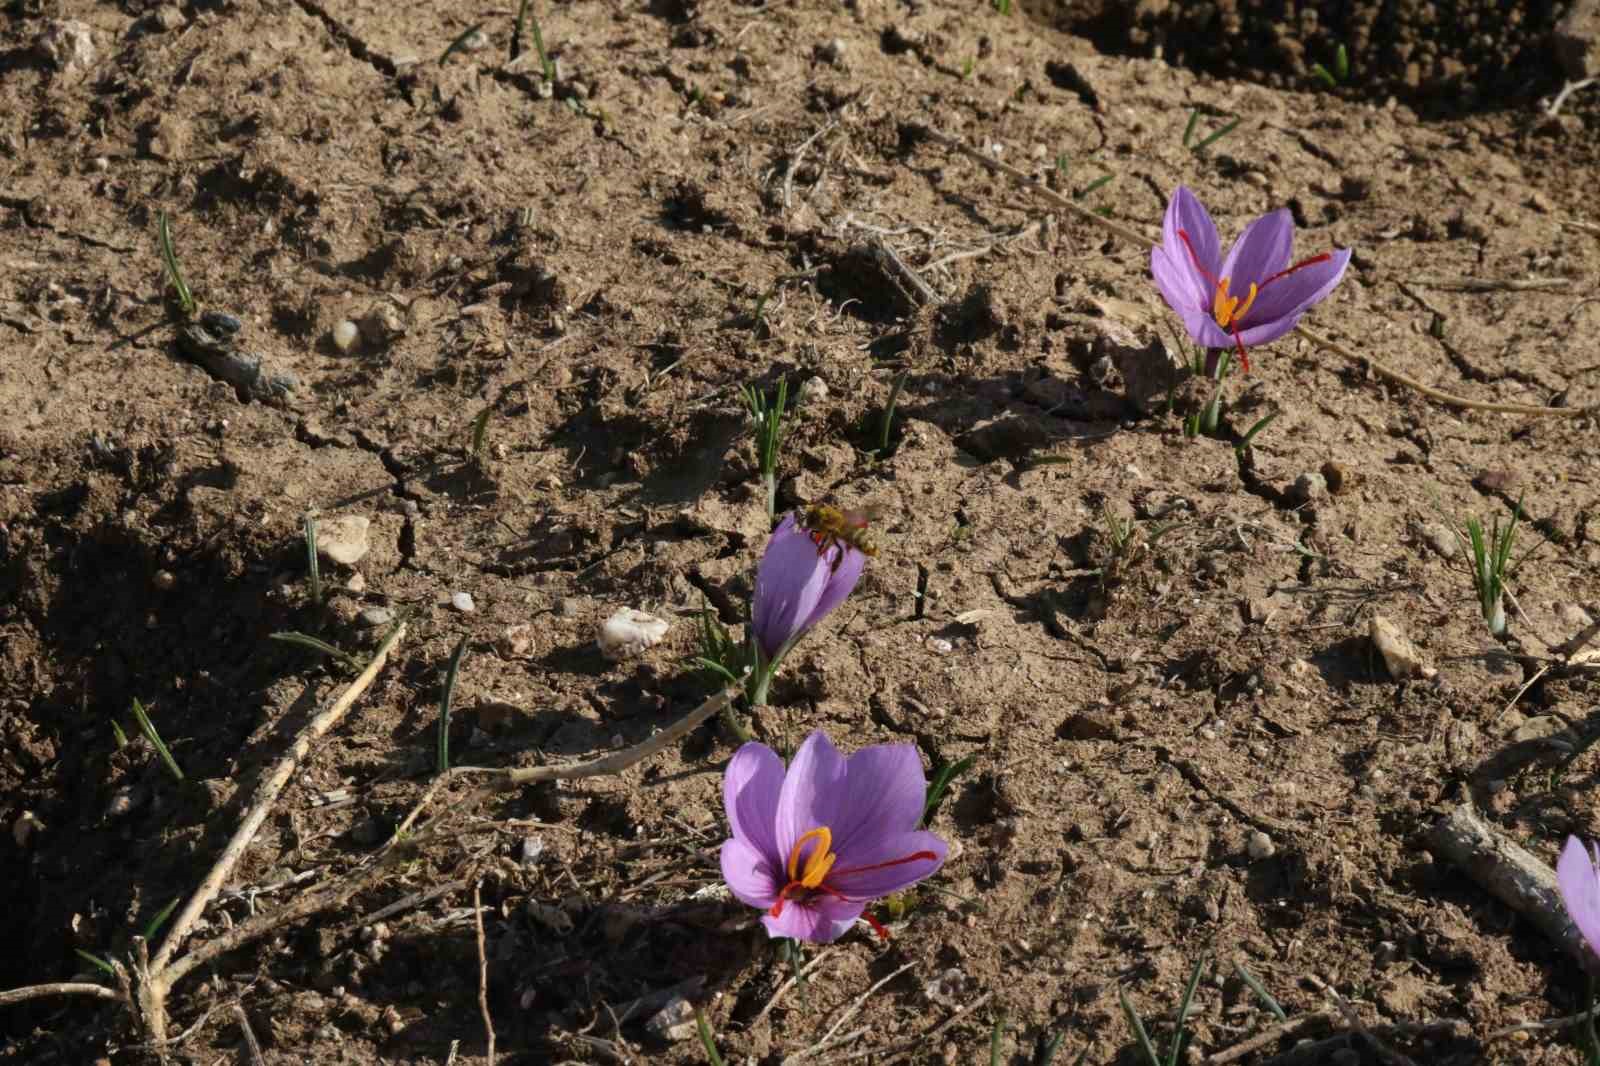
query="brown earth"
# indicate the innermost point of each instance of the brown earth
(1197, 756)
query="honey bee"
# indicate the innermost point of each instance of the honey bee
(829, 525)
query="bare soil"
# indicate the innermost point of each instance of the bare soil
(1193, 754)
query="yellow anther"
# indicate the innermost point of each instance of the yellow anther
(817, 863)
(1226, 308)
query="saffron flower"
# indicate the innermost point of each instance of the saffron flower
(801, 578)
(814, 844)
(1251, 297)
(1579, 882)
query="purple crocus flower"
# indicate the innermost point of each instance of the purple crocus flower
(1579, 882)
(802, 576)
(1251, 297)
(813, 845)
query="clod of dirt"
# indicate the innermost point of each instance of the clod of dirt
(67, 45)
(1308, 487)
(1576, 40)
(344, 539)
(1260, 846)
(165, 19)
(675, 1021)
(373, 617)
(24, 827)
(1400, 656)
(516, 642)
(1012, 435)
(628, 633)
(1438, 537)
(382, 326)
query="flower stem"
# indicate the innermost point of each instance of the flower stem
(770, 480)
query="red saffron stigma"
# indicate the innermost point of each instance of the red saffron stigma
(1323, 258)
(915, 856)
(1183, 235)
(877, 926)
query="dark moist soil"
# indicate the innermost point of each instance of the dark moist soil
(1188, 750)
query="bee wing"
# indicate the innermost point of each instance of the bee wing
(864, 517)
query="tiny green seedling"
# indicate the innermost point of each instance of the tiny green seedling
(547, 66)
(768, 417)
(994, 1038)
(169, 261)
(1212, 138)
(1250, 434)
(148, 728)
(707, 1041)
(1340, 73)
(151, 928)
(480, 436)
(1003, 7)
(1261, 992)
(119, 735)
(321, 647)
(460, 43)
(1141, 1035)
(1491, 564)
(452, 671)
(1205, 421)
(943, 778)
(313, 567)
(886, 426)
(968, 65)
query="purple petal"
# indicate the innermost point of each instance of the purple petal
(1261, 251)
(1184, 289)
(789, 582)
(841, 582)
(821, 920)
(812, 792)
(1290, 296)
(751, 876)
(871, 884)
(1580, 890)
(884, 792)
(750, 790)
(1186, 212)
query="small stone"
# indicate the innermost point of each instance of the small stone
(1400, 656)
(67, 45)
(345, 335)
(516, 642)
(357, 583)
(24, 827)
(1260, 846)
(343, 539)
(1308, 487)
(629, 633)
(1337, 476)
(164, 580)
(1546, 727)
(372, 617)
(940, 646)
(831, 52)
(462, 601)
(532, 849)
(1438, 537)
(100, 163)
(167, 17)
(813, 390)
(1574, 617)
(382, 325)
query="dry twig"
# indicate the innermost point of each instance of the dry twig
(483, 969)
(827, 1038)
(790, 983)
(1327, 344)
(1269, 1036)
(1385, 1051)
(894, 1051)
(252, 1046)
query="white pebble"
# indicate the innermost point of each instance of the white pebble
(940, 646)
(344, 539)
(345, 335)
(629, 633)
(1260, 846)
(462, 601)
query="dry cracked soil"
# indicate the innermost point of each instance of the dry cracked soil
(1154, 649)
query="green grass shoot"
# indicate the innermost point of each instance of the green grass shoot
(452, 671)
(117, 733)
(1491, 556)
(707, 1041)
(887, 425)
(719, 654)
(943, 778)
(1141, 1034)
(1341, 69)
(169, 260)
(480, 435)
(1002, 6)
(1188, 130)
(1217, 134)
(1250, 434)
(321, 647)
(767, 414)
(459, 43)
(96, 961)
(153, 926)
(1095, 185)
(547, 66)
(148, 728)
(313, 566)
(994, 1039)
(1261, 992)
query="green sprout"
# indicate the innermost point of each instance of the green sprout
(313, 568)
(726, 661)
(1250, 434)
(547, 66)
(768, 417)
(943, 778)
(1204, 423)
(151, 927)
(169, 260)
(1212, 138)
(321, 647)
(707, 1041)
(121, 737)
(1491, 559)
(148, 728)
(460, 42)
(1003, 7)
(452, 671)
(994, 1039)
(1341, 69)
(1142, 1035)
(480, 434)
(887, 424)
(1261, 992)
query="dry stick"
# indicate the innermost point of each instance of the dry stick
(59, 988)
(1509, 873)
(1270, 1036)
(1535, 1027)
(251, 1045)
(794, 161)
(917, 1041)
(1320, 341)
(160, 978)
(823, 1044)
(790, 983)
(483, 968)
(1385, 1051)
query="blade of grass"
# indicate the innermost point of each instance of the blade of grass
(451, 672)
(121, 737)
(1341, 63)
(1136, 1025)
(1098, 183)
(547, 66)
(480, 432)
(888, 411)
(96, 961)
(1188, 131)
(148, 728)
(322, 647)
(1183, 1011)
(940, 784)
(1250, 434)
(1261, 991)
(994, 1039)
(1217, 135)
(707, 1041)
(154, 925)
(313, 566)
(459, 43)
(516, 30)
(1320, 72)
(169, 259)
